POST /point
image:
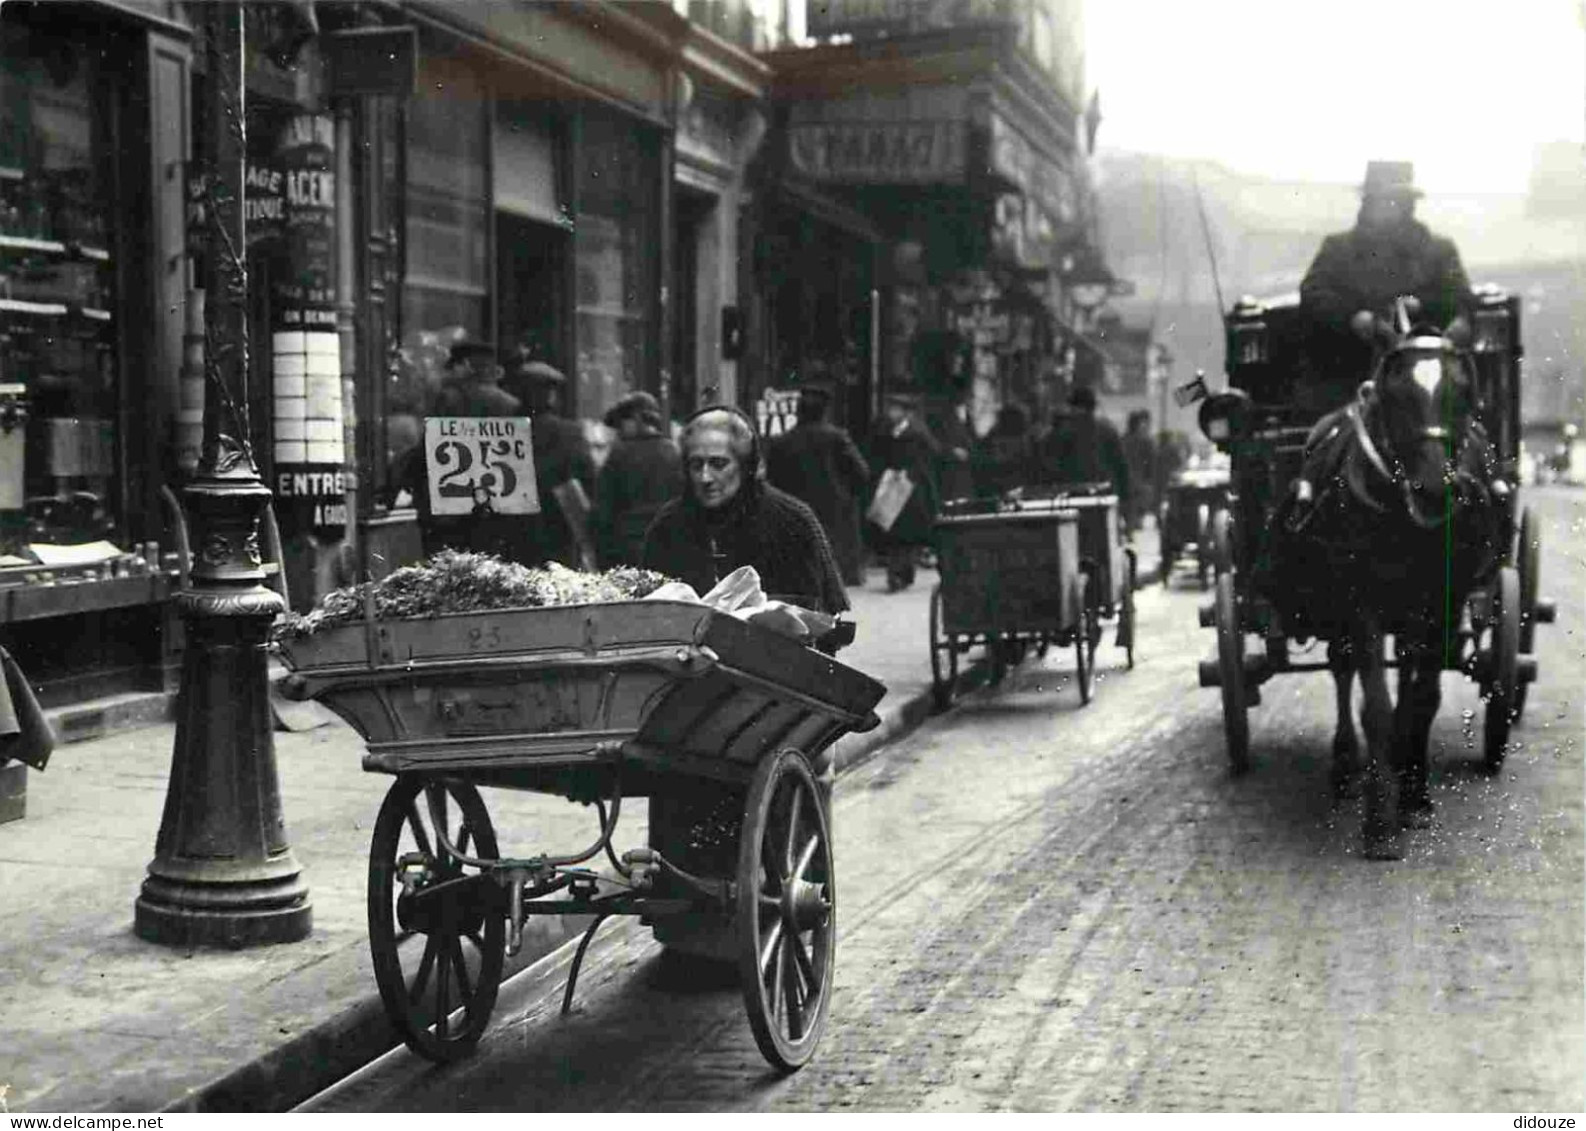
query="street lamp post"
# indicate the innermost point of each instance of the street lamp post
(223, 872)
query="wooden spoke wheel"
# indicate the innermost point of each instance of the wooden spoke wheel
(437, 960)
(944, 657)
(1503, 673)
(1084, 647)
(1528, 561)
(787, 910)
(1222, 538)
(1125, 637)
(1231, 673)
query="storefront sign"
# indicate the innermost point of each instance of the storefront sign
(879, 152)
(476, 462)
(317, 493)
(777, 411)
(306, 294)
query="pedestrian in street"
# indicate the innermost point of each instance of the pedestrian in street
(903, 444)
(1085, 448)
(819, 463)
(1139, 452)
(642, 474)
(947, 420)
(471, 387)
(729, 517)
(564, 471)
(1004, 458)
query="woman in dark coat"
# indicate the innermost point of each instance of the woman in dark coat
(643, 473)
(819, 463)
(728, 518)
(905, 444)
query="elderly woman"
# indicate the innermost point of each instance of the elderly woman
(729, 517)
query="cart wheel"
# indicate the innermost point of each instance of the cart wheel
(1504, 674)
(787, 910)
(944, 657)
(997, 653)
(1222, 541)
(1231, 672)
(1528, 560)
(457, 966)
(1084, 650)
(1125, 637)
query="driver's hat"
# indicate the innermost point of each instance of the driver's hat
(1390, 178)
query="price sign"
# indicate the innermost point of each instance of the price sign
(480, 461)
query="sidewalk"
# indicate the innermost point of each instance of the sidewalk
(96, 1019)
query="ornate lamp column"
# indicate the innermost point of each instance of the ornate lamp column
(223, 872)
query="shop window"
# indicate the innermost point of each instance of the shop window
(446, 285)
(59, 399)
(614, 247)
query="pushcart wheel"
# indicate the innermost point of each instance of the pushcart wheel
(1504, 672)
(1125, 637)
(944, 657)
(1528, 561)
(1231, 673)
(1203, 546)
(787, 910)
(997, 654)
(1084, 651)
(435, 957)
(1222, 541)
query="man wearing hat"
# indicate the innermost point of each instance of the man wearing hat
(818, 462)
(1084, 447)
(472, 386)
(643, 473)
(564, 471)
(903, 443)
(1347, 296)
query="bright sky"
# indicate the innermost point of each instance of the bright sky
(1312, 89)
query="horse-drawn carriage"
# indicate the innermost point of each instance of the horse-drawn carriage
(597, 703)
(1025, 571)
(1407, 500)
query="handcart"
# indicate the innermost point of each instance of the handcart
(1110, 565)
(599, 704)
(1011, 580)
(1194, 521)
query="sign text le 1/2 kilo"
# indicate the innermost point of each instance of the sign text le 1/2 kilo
(479, 463)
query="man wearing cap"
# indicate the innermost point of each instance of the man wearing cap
(564, 471)
(643, 473)
(904, 444)
(818, 462)
(1347, 296)
(1085, 448)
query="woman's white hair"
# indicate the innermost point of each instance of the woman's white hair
(740, 435)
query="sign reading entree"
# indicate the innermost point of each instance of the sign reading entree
(475, 462)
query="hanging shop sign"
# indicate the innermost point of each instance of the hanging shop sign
(879, 152)
(476, 463)
(307, 412)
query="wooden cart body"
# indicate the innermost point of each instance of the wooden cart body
(1010, 573)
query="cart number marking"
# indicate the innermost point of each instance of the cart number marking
(484, 638)
(480, 463)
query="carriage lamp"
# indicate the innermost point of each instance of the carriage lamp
(1224, 417)
(1492, 330)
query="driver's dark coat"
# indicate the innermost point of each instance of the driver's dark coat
(1366, 270)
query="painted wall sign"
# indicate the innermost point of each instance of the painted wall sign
(317, 493)
(870, 17)
(879, 152)
(475, 461)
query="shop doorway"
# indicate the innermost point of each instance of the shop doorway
(691, 217)
(531, 273)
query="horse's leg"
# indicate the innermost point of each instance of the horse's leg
(1376, 719)
(1420, 696)
(1346, 744)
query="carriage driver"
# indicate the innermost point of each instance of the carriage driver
(1348, 293)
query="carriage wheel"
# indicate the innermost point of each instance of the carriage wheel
(944, 657)
(787, 910)
(1504, 674)
(432, 963)
(1529, 563)
(1084, 649)
(997, 654)
(1125, 637)
(1222, 537)
(1231, 673)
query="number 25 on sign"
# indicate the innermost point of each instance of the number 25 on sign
(477, 462)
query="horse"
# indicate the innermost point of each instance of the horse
(1392, 523)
